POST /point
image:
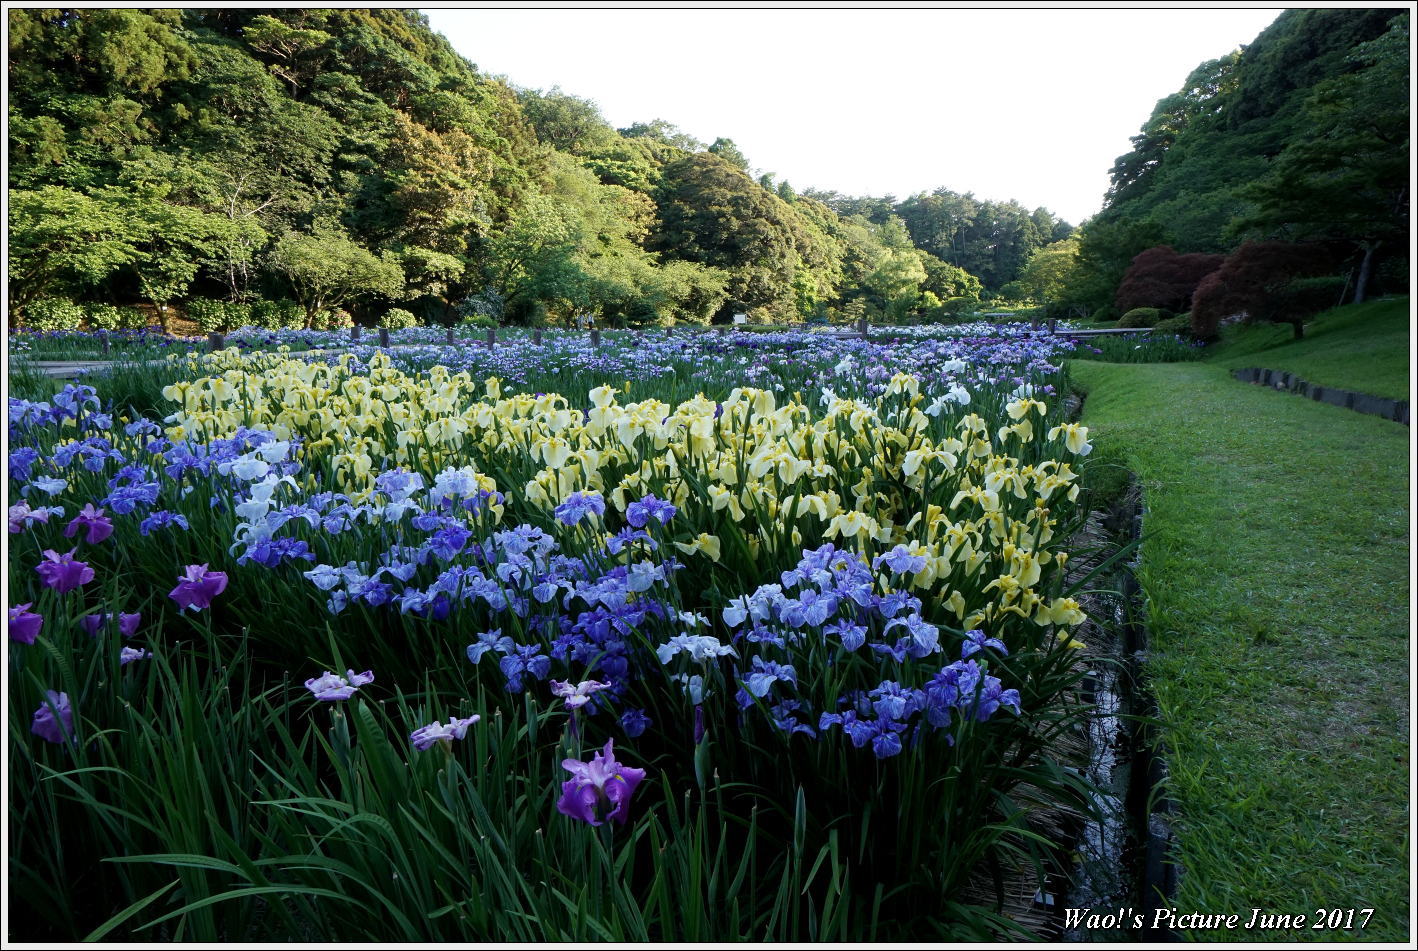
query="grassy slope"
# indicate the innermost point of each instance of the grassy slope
(1276, 565)
(1362, 348)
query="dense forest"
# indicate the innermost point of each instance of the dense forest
(1274, 183)
(305, 165)
(349, 161)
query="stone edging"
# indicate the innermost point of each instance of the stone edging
(1396, 410)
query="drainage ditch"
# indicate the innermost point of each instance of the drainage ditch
(1123, 867)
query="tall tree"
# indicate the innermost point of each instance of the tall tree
(1346, 179)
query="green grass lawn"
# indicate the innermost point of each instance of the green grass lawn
(1361, 347)
(1275, 563)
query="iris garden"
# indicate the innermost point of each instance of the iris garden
(680, 636)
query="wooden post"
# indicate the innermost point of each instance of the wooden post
(723, 330)
(595, 338)
(448, 336)
(491, 337)
(1034, 323)
(215, 342)
(354, 334)
(862, 326)
(105, 343)
(384, 337)
(537, 337)
(1053, 325)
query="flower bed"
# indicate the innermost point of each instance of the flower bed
(325, 621)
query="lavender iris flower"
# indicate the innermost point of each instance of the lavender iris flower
(162, 519)
(330, 686)
(576, 695)
(21, 516)
(425, 736)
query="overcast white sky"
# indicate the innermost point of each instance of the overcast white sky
(1032, 105)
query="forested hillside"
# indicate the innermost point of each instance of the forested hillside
(1298, 144)
(350, 161)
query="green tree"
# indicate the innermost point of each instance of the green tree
(1347, 178)
(712, 213)
(61, 239)
(729, 152)
(565, 122)
(665, 132)
(328, 269)
(294, 55)
(432, 274)
(1048, 273)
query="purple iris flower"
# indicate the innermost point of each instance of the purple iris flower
(62, 572)
(93, 522)
(425, 736)
(24, 624)
(447, 542)
(975, 641)
(883, 734)
(54, 720)
(765, 673)
(578, 505)
(923, 638)
(851, 634)
(635, 722)
(638, 514)
(596, 785)
(524, 659)
(197, 587)
(330, 686)
(901, 561)
(127, 623)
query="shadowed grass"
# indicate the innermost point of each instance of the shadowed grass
(1275, 565)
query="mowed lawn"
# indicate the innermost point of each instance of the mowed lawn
(1361, 347)
(1276, 564)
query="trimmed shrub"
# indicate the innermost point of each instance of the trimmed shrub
(396, 318)
(217, 316)
(277, 315)
(209, 315)
(1140, 317)
(235, 315)
(1180, 325)
(53, 313)
(104, 317)
(336, 319)
(480, 320)
(954, 306)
